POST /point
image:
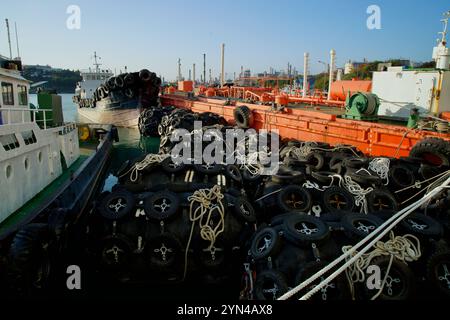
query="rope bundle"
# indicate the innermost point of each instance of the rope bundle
(139, 166)
(208, 201)
(381, 167)
(404, 248)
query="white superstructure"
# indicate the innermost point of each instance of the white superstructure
(91, 80)
(400, 90)
(30, 148)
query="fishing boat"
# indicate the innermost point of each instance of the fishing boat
(49, 171)
(104, 98)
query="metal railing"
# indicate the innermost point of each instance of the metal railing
(26, 116)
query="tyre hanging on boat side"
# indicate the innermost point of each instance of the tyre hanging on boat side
(243, 117)
(145, 75)
(30, 262)
(433, 151)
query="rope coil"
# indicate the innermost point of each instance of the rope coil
(208, 201)
(403, 248)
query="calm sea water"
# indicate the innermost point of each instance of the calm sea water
(130, 146)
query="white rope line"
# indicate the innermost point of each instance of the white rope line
(381, 167)
(377, 234)
(208, 201)
(141, 165)
(404, 248)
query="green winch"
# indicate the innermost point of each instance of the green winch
(362, 106)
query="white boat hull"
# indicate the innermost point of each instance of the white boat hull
(119, 117)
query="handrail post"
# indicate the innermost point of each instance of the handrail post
(45, 120)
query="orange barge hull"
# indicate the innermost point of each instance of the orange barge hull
(373, 139)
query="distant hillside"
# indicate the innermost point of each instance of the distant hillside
(62, 80)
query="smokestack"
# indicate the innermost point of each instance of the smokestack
(189, 74)
(193, 73)
(179, 69)
(9, 39)
(204, 67)
(222, 74)
(332, 67)
(210, 76)
(242, 71)
(305, 73)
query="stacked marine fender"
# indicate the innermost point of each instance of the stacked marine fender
(143, 86)
(151, 231)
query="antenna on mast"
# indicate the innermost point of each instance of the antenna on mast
(444, 32)
(96, 63)
(17, 40)
(9, 38)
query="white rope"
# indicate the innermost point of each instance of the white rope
(381, 167)
(208, 201)
(403, 248)
(376, 235)
(357, 191)
(141, 165)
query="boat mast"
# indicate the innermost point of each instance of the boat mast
(9, 39)
(96, 63)
(17, 40)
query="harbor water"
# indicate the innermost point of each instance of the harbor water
(130, 146)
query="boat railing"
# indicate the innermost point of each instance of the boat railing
(42, 117)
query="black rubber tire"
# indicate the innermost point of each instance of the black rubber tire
(129, 93)
(422, 226)
(337, 158)
(438, 271)
(364, 178)
(145, 75)
(111, 83)
(313, 230)
(379, 200)
(214, 168)
(120, 83)
(359, 225)
(279, 219)
(338, 286)
(402, 290)
(161, 206)
(315, 160)
(29, 258)
(266, 243)
(243, 117)
(249, 177)
(323, 177)
(294, 198)
(117, 205)
(129, 79)
(400, 176)
(337, 198)
(232, 171)
(285, 175)
(427, 171)
(212, 259)
(163, 251)
(115, 251)
(275, 280)
(244, 211)
(169, 166)
(433, 151)
(355, 163)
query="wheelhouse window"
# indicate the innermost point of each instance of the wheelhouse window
(22, 93)
(7, 93)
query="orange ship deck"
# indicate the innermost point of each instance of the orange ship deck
(320, 124)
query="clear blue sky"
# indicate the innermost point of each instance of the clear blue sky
(258, 34)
